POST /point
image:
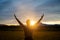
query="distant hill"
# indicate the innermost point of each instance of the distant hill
(42, 27)
(46, 27)
(4, 27)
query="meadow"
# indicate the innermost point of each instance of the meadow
(37, 35)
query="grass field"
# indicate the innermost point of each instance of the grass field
(37, 35)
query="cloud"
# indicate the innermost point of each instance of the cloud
(51, 3)
(25, 9)
(6, 9)
(51, 6)
(21, 8)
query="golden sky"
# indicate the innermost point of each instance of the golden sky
(29, 9)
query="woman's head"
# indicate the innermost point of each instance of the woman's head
(28, 22)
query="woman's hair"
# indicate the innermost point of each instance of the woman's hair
(28, 22)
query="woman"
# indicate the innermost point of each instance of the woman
(27, 30)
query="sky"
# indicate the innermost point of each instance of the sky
(29, 9)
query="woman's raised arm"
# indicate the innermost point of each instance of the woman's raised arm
(18, 20)
(40, 19)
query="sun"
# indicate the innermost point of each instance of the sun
(32, 23)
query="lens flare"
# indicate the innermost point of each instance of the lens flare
(32, 23)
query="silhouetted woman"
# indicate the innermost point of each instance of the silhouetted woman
(27, 30)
